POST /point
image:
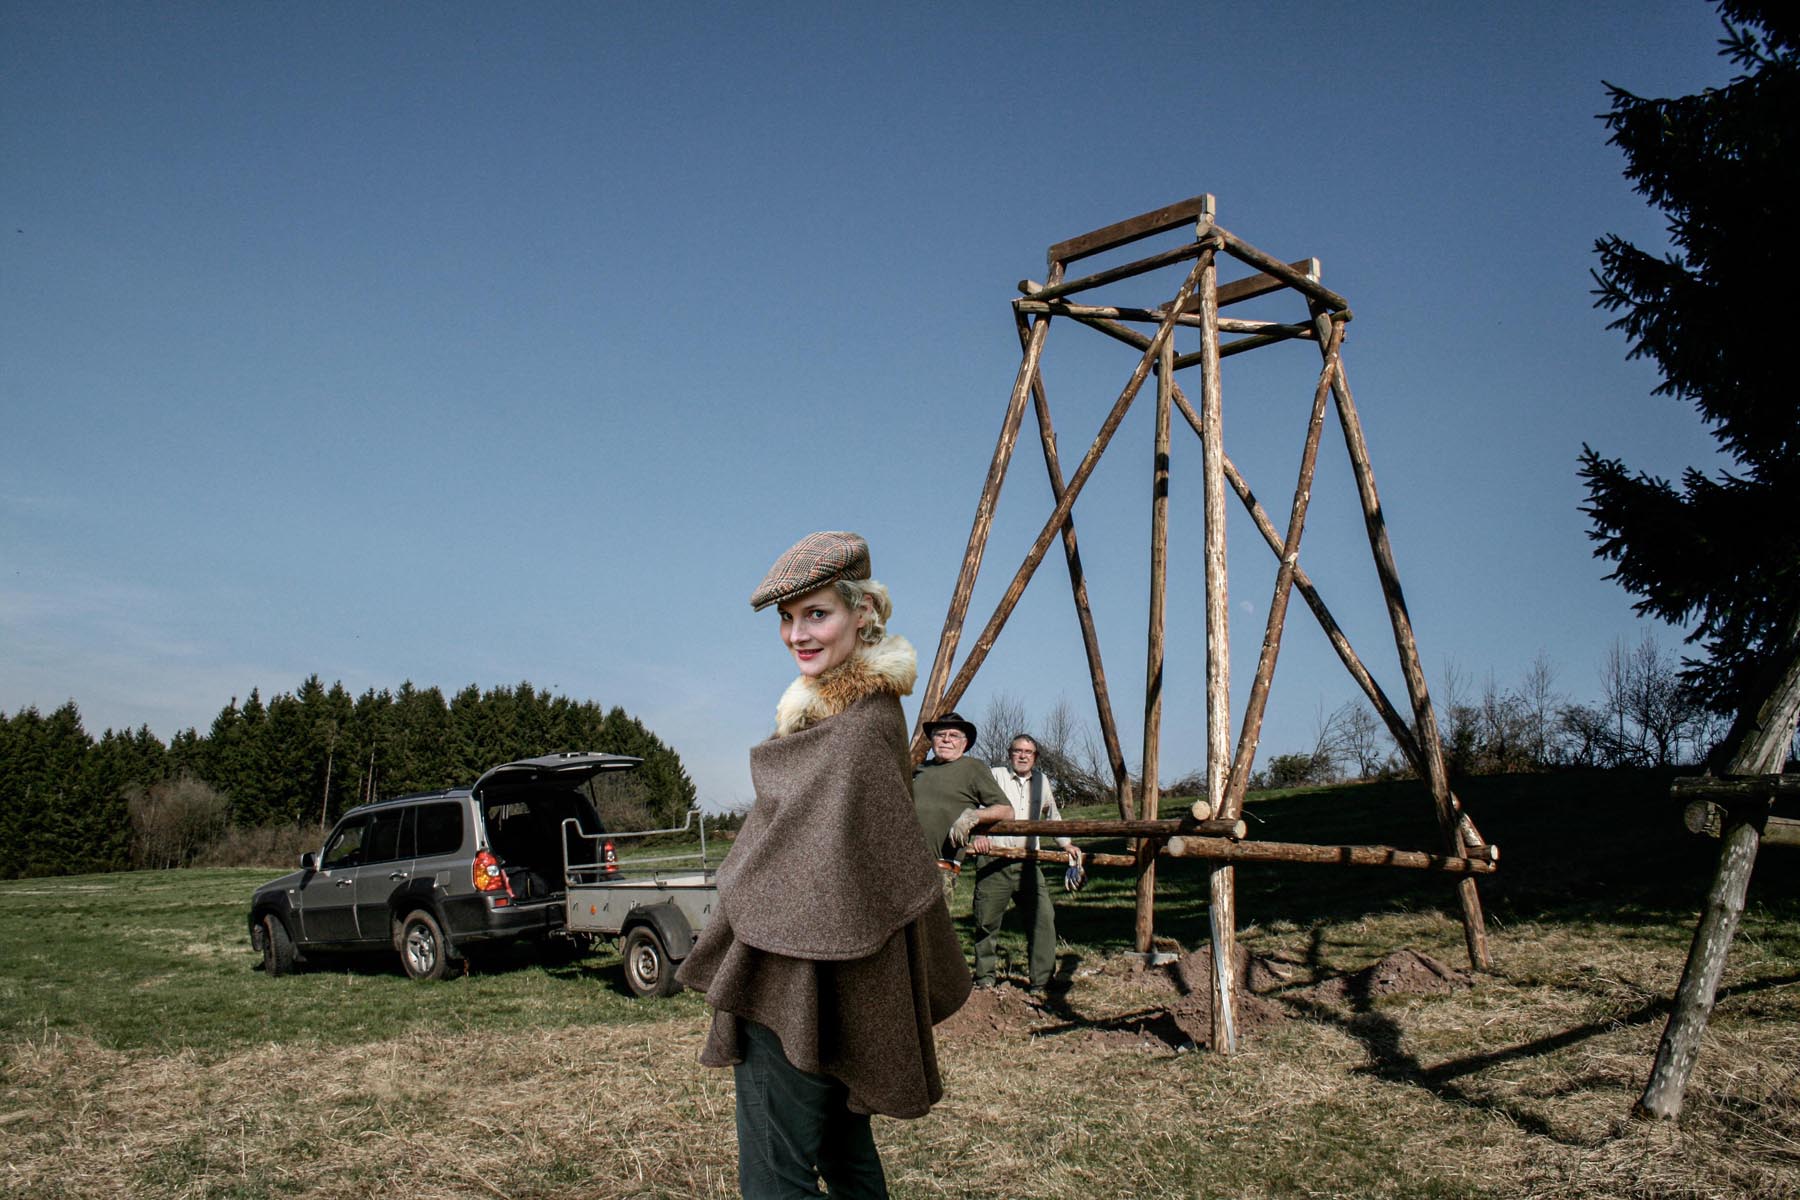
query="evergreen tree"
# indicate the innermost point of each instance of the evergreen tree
(57, 843)
(1722, 551)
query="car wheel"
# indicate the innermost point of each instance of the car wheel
(648, 971)
(277, 946)
(422, 950)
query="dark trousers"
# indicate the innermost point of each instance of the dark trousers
(794, 1127)
(998, 882)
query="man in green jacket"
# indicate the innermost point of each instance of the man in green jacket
(952, 793)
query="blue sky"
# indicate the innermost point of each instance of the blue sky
(479, 343)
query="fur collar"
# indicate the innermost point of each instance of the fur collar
(890, 665)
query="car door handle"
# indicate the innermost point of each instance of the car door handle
(345, 882)
(397, 875)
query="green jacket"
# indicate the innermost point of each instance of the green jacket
(941, 791)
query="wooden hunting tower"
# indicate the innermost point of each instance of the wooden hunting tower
(1212, 830)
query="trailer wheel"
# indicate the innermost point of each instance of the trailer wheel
(648, 971)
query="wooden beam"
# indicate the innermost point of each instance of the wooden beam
(1768, 788)
(1711, 818)
(1250, 729)
(1424, 723)
(985, 642)
(931, 704)
(1221, 883)
(1268, 264)
(1142, 266)
(1162, 827)
(1084, 615)
(1253, 286)
(1221, 850)
(1160, 220)
(1153, 651)
(1217, 849)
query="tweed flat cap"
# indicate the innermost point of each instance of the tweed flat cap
(812, 562)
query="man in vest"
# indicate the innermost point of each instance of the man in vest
(1001, 881)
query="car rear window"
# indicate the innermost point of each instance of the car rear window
(440, 829)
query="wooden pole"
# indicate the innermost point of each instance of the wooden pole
(1221, 883)
(1762, 731)
(931, 704)
(979, 651)
(1142, 266)
(1424, 720)
(1250, 731)
(1154, 316)
(1161, 828)
(1153, 655)
(1225, 850)
(1084, 615)
(1268, 264)
(1221, 849)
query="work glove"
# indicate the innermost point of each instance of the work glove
(1075, 878)
(959, 832)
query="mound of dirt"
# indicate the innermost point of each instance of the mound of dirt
(1255, 973)
(989, 1011)
(1192, 1012)
(1403, 973)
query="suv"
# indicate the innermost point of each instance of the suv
(432, 873)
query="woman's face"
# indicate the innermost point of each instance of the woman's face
(819, 629)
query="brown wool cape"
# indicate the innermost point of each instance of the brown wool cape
(831, 928)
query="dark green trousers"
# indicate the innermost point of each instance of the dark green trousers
(794, 1127)
(998, 883)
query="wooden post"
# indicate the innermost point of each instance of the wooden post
(929, 705)
(1251, 729)
(1084, 615)
(1424, 720)
(1153, 657)
(985, 642)
(1763, 729)
(1221, 882)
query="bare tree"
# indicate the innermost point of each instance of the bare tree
(1003, 717)
(173, 821)
(1541, 706)
(1362, 738)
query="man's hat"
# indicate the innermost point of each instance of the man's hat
(951, 720)
(810, 563)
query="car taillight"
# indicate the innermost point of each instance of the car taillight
(488, 875)
(609, 856)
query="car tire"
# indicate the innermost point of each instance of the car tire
(422, 949)
(277, 946)
(648, 971)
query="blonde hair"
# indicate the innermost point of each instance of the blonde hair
(881, 605)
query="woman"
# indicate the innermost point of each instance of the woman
(831, 954)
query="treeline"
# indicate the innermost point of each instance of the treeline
(71, 803)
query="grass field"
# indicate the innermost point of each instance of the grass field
(141, 1054)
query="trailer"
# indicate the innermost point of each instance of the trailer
(654, 907)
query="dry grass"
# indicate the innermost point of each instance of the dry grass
(1515, 1087)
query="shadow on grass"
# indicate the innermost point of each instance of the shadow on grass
(1383, 1039)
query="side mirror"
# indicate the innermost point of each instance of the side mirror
(309, 862)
